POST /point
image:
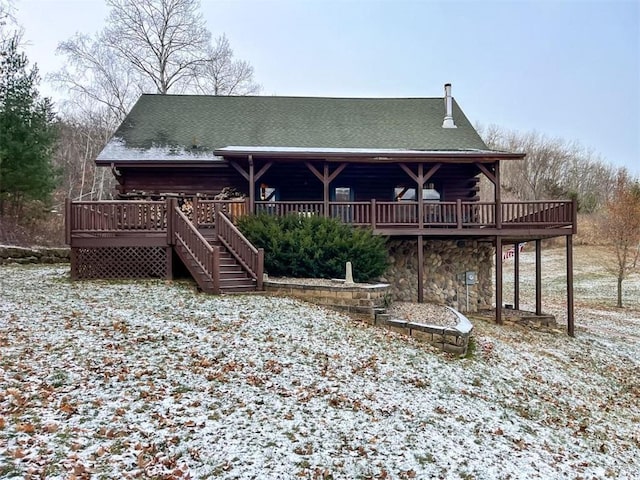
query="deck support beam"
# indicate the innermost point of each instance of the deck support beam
(538, 277)
(570, 319)
(499, 280)
(420, 269)
(516, 277)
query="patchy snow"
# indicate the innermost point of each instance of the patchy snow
(152, 380)
(117, 150)
(346, 150)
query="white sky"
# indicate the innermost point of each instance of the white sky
(568, 69)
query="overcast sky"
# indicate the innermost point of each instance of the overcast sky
(567, 69)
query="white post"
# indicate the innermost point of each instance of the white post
(348, 279)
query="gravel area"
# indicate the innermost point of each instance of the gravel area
(426, 313)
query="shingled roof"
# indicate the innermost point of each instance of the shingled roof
(175, 127)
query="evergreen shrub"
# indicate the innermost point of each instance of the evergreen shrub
(315, 247)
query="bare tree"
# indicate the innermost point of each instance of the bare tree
(221, 74)
(553, 168)
(164, 40)
(621, 225)
(97, 77)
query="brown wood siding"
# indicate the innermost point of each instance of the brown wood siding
(295, 181)
(181, 180)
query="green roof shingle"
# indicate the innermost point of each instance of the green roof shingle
(212, 122)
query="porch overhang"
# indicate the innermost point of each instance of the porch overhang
(373, 155)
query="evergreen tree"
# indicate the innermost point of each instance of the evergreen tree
(27, 133)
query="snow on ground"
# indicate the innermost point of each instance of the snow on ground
(152, 380)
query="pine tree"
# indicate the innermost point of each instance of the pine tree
(27, 133)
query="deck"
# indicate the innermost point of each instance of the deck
(144, 223)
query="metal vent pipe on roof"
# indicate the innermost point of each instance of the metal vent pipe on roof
(448, 105)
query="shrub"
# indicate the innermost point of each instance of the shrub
(315, 247)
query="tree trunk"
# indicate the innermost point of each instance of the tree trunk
(619, 305)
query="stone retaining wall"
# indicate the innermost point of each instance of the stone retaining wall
(445, 261)
(361, 299)
(24, 255)
(452, 340)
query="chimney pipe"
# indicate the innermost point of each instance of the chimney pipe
(448, 104)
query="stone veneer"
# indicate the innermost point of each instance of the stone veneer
(445, 262)
(361, 298)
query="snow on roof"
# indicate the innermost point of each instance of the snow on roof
(117, 150)
(347, 151)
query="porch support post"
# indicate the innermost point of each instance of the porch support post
(538, 277)
(252, 186)
(420, 269)
(499, 280)
(570, 322)
(325, 185)
(516, 277)
(420, 202)
(498, 197)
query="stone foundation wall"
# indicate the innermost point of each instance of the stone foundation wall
(445, 262)
(360, 299)
(23, 255)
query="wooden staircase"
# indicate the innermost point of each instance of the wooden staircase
(221, 260)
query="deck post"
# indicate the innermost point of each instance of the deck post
(516, 277)
(260, 270)
(67, 221)
(419, 197)
(252, 186)
(171, 204)
(325, 185)
(373, 213)
(499, 280)
(570, 320)
(459, 213)
(169, 272)
(194, 207)
(498, 198)
(420, 269)
(538, 277)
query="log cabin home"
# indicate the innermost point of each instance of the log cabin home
(407, 168)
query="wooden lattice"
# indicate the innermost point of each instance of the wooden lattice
(119, 262)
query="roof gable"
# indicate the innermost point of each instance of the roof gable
(162, 126)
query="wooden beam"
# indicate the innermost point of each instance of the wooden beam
(252, 186)
(570, 319)
(431, 172)
(337, 172)
(419, 195)
(538, 277)
(487, 173)
(498, 196)
(314, 171)
(420, 269)
(240, 170)
(516, 277)
(263, 170)
(499, 280)
(409, 172)
(325, 189)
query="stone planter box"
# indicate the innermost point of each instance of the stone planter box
(359, 298)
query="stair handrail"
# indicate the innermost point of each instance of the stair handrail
(250, 257)
(206, 255)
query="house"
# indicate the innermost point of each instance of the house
(407, 168)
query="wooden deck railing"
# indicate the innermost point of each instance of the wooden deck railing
(106, 217)
(206, 255)
(251, 258)
(109, 218)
